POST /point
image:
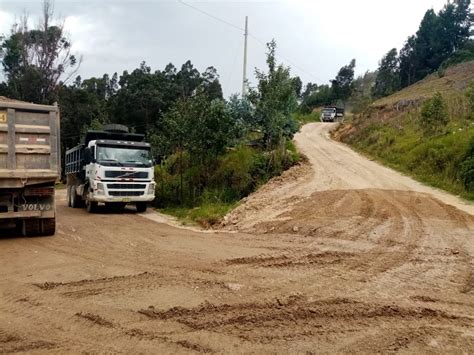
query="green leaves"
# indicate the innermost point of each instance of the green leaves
(434, 115)
(342, 85)
(274, 100)
(388, 76)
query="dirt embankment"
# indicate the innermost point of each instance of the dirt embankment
(331, 166)
(343, 256)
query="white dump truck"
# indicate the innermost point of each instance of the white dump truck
(332, 114)
(29, 166)
(112, 167)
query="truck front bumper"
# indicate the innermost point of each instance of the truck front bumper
(123, 199)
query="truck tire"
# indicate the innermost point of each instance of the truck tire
(141, 207)
(48, 226)
(68, 194)
(91, 206)
(76, 201)
(30, 227)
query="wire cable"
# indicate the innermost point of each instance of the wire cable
(302, 70)
(211, 15)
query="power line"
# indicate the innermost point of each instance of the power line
(250, 35)
(211, 15)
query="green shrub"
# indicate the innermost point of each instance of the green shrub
(434, 115)
(202, 191)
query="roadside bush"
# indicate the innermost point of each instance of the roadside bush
(234, 173)
(186, 183)
(434, 115)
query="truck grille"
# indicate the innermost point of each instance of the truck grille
(126, 186)
(126, 175)
(126, 193)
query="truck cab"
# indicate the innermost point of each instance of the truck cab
(113, 168)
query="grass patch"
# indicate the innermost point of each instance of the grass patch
(304, 118)
(206, 214)
(59, 186)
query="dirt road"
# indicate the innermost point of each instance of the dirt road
(338, 255)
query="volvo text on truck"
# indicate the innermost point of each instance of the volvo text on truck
(29, 166)
(112, 167)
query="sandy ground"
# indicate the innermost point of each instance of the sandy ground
(338, 255)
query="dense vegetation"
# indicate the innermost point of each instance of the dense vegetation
(210, 152)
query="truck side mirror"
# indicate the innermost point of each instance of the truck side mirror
(87, 156)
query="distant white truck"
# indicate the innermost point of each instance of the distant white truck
(332, 114)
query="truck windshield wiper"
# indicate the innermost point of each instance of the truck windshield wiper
(112, 160)
(136, 162)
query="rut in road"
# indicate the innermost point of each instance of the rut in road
(338, 255)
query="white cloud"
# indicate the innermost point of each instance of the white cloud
(6, 21)
(319, 36)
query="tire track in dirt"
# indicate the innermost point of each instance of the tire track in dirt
(298, 317)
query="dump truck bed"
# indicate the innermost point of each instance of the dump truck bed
(29, 144)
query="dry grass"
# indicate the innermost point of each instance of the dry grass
(456, 79)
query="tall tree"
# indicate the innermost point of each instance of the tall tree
(342, 85)
(35, 61)
(274, 100)
(407, 62)
(188, 79)
(211, 85)
(387, 80)
(439, 36)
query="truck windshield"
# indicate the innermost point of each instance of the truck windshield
(329, 111)
(123, 156)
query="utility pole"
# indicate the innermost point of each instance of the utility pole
(244, 81)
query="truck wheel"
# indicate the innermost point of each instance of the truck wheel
(48, 226)
(30, 227)
(141, 207)
(76, 201)
(91, 206)
(68, 196)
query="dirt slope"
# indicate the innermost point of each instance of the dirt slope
(332, 166)
(347, 257)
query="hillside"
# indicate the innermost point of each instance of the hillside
(392, 130)
(454, 80)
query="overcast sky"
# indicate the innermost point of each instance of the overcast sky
(315, 38)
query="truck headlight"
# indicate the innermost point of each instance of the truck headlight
(151, 189)
(100, 189)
